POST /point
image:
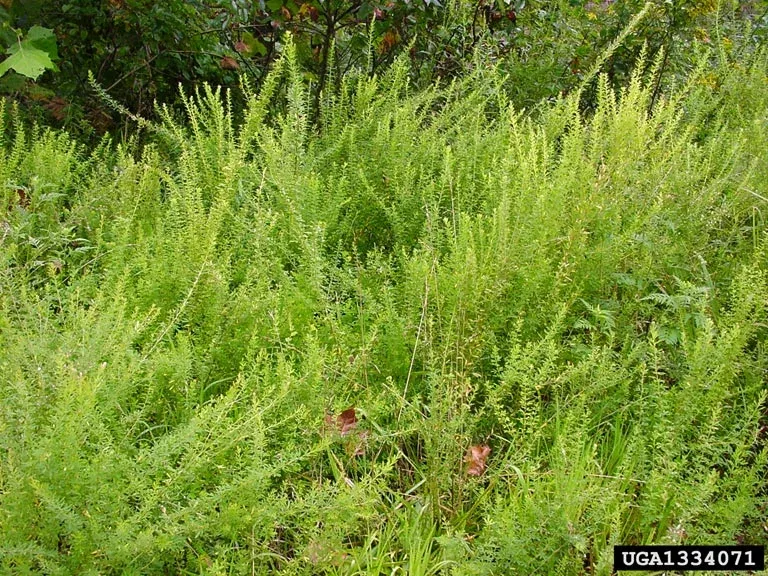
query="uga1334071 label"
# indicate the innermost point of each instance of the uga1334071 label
(709, 558)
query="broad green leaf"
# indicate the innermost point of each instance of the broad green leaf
(30, 62)
(33, 55)
(43, 39)
(253, 44)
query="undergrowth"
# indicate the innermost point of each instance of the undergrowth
(182, 327)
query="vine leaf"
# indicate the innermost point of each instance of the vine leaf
(33, 55)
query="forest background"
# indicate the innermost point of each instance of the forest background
(140, 51)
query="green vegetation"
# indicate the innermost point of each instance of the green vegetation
(428, 334)
(141, 50)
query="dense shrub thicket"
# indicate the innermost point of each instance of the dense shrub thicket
(141, 50)
(435, 335)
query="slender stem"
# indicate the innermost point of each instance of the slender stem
(132, 72)
(667, 49)
(330, 34)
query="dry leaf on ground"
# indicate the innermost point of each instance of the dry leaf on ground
(475, 458)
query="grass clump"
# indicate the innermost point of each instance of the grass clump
(184, 329)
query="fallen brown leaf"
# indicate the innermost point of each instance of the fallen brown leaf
(23, 197)
(345, 424)
(346, 421)
(57, 106)
(475, 458)
(229, 63)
